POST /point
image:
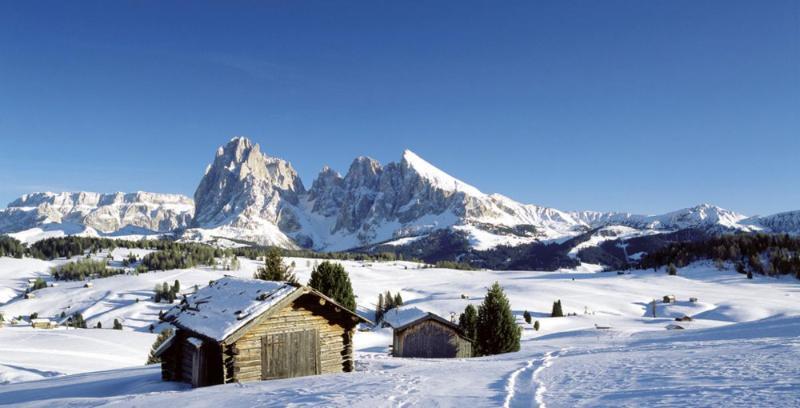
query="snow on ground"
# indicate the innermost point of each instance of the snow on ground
(483, 240)
(609, 233)
(14, 275)
(740, 350)
(123, 297)
(31, 354)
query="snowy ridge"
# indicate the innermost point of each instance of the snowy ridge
(436, 177)
(39, 215)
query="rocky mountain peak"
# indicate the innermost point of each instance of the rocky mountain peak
(244, 187)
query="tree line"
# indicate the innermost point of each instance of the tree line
(766, 254)
(82, 269)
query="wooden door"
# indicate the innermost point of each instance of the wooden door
(292, 354)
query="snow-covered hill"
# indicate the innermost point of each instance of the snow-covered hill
(741, 349)
(40, 215)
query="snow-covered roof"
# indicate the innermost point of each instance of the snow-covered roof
(219, 309)
(429, 316)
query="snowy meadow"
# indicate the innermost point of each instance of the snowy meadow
(739, 349)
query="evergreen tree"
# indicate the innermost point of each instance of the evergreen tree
(557, 310)
(496, 329)
(671, 270)
(527, 317)
(275, 269)
(162, 337)
(332, 280)
(99, 325)
(117, 325)
(536, 325)
(39, 284)
(388, 301)
(379, 309)
(76, 321)
(468, 320)
(176, 287)
(740, 268)
(398, 300)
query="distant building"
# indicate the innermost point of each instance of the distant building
(669, 299)
(238, 330)
(43, 324)
(430, 336)
(30, 295)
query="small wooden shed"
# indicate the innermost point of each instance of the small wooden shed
(238, 330)
(431, 336)
(43, 324)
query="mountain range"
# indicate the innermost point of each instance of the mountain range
(409, 206)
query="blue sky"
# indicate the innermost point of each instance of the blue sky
(614, 105)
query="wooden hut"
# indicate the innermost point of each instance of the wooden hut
(238, 330)
(431, 336)
(43, 324)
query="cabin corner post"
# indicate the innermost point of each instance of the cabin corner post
(348, 364)
(229, 353)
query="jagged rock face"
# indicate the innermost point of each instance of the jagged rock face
(103, 212)
(247, 191)
(327, 192)
(375, 195)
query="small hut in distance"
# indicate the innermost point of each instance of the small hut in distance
(431, 336)
(238, 330)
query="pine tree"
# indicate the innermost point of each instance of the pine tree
(671, 270)
(99, 325)
(557, 310)
(77, 321)
(379, 309)
(398, 300)
(527, 317)
(496, 330)
(536, 325)
(176, 287)
(468, 320)
(332, 280)
(162, 337)
(388, 300)
(117, 325)
(274, 269)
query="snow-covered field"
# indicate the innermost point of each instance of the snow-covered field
(740, 350)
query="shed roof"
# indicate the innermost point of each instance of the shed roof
(431, 316)
(226, 305)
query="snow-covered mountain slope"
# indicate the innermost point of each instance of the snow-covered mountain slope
(35, 215)
(785, 222)
(248, 196)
